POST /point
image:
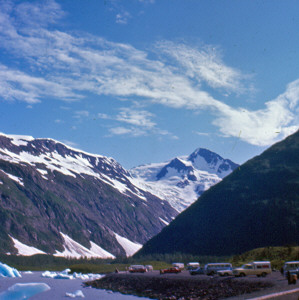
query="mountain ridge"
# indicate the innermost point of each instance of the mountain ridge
(50, 192)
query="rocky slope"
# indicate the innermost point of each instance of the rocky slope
(255, 206)
(63, 201)
(182, 180)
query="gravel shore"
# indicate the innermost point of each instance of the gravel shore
(182, 287)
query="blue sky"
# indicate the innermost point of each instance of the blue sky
(147, 80)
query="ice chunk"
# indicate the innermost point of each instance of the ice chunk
(48, 274)
(7, 271)
(23, 291)
(63, 276)
(77, 293)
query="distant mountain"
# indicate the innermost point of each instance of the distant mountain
(59, 200)
(182, 180)
(255, 206)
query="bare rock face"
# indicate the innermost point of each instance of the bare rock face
(48, 188)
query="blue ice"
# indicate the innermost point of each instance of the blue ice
(7, 271)
(23, 291)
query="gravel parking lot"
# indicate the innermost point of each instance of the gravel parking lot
(185, 286)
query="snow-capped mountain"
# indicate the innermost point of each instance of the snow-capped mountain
(182, 180)
(59, 200)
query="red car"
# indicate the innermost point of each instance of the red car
(170, 270)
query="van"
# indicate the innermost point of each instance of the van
(149, 268)
(291, 266)
(212, 269)
(178, 265)
(258, 268)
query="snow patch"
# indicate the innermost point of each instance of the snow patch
(100, 251)
(43, 172)
(129, 247)
(74, 249)
(20, 140)
(24, 249)
(163, 221)
(14, 178)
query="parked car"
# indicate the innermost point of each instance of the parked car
(149, 268)
(137, 269)
(193, 265)
(227, 272)
(170, 270)
(258, 268)
(197, 271)
(212, 269)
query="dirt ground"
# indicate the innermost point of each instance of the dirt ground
(185, 286)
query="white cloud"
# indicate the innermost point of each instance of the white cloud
(140, 118)
(204, 64)
(43, 13)
(265, 126)
(140, 121)
(81, 114)
(66, 66)
(17, 85)
(202, 133)
(103, 116)
(122, 18)
(133, 131)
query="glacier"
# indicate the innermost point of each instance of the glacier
(181, 180)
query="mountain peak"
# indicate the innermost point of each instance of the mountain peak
(183, 179)
(175, 166)
(212, 162)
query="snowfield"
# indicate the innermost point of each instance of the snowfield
(182, 180)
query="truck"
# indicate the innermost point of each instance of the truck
(258, 268)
